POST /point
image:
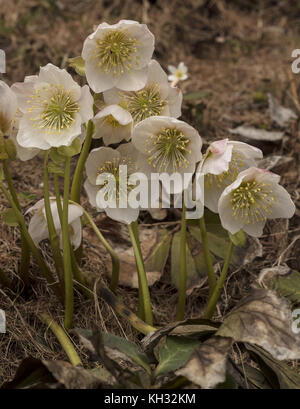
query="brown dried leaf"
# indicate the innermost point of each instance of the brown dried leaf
(263, 319)
(207, 365)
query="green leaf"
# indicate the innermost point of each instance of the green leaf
(195, 96)
(128, 348)
(174, 354)
(55, 168)
(239, 239)
(157, 259)
(10, 218)
(78, 64)
(175, 261)
(27, 195)
(287, 377)
(283, 280)
(71, 150)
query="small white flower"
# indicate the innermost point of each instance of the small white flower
(38, 228)
(106, 160)
(221, 164)
(118, 56)
(53, 108)
(167, 145)
(113, 124)
(178, 73)
(251, 199)
(8, 108)
(157, 97)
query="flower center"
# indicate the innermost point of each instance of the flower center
(115, 52)
(252, 202)
(144, 103)
(226, 178)
(168, 149)
(111, 121)
(56, 112)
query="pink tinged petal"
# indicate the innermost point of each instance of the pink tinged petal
(216, 163)
(218, 147)
(126, 216)
(132, 80)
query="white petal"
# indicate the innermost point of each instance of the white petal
(175, 102)
(23, 90)
(112, 96)
(229, 222)
(157, 75)
(29, 137)
(86, 103)
(283, 205)
(76, 235)
(8, 102)
(126, 216)
(96, 158)
(172, 69)
(97, 79)
(120, 114)
(219, 156)
(37, 228)
(132, 80)
(66, 136)
(53, 75)
(255, 230)
(172, 77)
(91, 191)
(116, 135)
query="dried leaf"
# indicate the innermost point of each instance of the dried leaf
(253, 134)
(275, 163)
(207, 365)
(279, 114)
(263, 319)
(283, 280)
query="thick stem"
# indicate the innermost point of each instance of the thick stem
(43, 267)
(141, 312)
(213, 300)
(183, 269)
(142, 275)
(212, 279)
(69, 290)
(78, 174)
(25, 251)
(53, 237)
(62, 338)
(114, 258)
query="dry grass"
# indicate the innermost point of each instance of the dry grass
(235, 51)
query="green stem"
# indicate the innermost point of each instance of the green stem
(4, 281)
(58, 198)
(69, 290)
(142, 274)
(212, 278)
(213, 300)
(43, 267)
(114, 258)
(141, 312)
(183, 268)
(62, 338)
(53, 237)
(25, 251)
(78, 174)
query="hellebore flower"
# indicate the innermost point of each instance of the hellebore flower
(38, 228)
(167, 145)
(8, 108)
(251, 199)
(221, 164)
(157, 97)
(103, 169)
(113, 124)
(53, 108)
(118, 56)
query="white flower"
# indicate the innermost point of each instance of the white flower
(157, 97)
(8, 108)
(106, 160)
(38, 228)
(221, 164)
(118, 55)
(167, 145)
(177, 73)
(251, 199)
(113, 124)
(54, 107)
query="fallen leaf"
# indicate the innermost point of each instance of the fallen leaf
(276, 163)
(265, 320)
(253, 134)
(207, 365)
(279, 114)
(283, 280)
